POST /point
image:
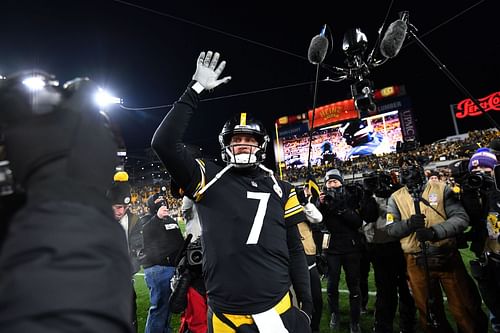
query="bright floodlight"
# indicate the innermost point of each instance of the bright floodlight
(34, 83)
(103, 98)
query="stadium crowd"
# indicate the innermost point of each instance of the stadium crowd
(425, 154)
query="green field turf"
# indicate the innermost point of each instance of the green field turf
(366, 320)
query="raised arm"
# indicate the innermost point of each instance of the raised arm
(167, 140)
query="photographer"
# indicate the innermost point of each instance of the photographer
(344, 248)
(188, 289)
(481, 198)
(162, 242)
(428, 238)
(64, 263)
(388, 260)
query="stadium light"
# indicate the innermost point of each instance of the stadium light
(37, 82)
(104, 98)
(34, 83)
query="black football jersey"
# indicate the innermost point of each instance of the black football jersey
(244, 216)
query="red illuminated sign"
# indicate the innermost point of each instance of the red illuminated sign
(467, 107)
(333, 113)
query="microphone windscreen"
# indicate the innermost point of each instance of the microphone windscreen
(317, 49)
(393, 39)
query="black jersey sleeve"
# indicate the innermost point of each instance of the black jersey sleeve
(299, 272)
(167, 142)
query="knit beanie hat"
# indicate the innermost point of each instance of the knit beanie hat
(119, 193)
(482, 158)
(334, 174)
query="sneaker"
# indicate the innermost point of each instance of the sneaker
(334, 321)
(355, 328)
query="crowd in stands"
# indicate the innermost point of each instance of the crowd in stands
(426, 154)
(140, 195)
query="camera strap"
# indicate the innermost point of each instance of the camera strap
(434, 209)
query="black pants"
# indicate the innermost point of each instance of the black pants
(317, 296)
(488, 280)
(134, 308)
(392, 288)
(364, 271)
(350, 262)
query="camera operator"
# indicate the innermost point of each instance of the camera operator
(474, 186)
(388, 260)
(64, 263)
(344, 248)
(481, 198)
(188, 289)
(162, 242)
(428, 239)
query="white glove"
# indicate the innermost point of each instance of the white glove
(206, 72)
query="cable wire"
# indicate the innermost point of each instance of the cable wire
(209, 28)
(445, 22)
(163, 106)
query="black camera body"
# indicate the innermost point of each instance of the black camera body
(348, 196)
(412, 176)
(380, 183)
(333, 195)
(194, 253)
(472, 181)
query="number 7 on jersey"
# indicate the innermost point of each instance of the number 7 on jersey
(258, 221)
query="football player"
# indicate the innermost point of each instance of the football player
(252, 250)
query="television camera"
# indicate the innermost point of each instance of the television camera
(379, 183)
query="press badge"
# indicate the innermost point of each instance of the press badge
(389, 218)
(171, 226)
(433, 199)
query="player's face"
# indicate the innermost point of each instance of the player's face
(243, 144)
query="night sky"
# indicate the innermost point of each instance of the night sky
(145, 53)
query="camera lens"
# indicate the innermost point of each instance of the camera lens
(195, 257)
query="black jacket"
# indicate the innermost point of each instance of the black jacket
(343, 227)
(162, 241)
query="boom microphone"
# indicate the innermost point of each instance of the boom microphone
(318, 48)
(393, 39)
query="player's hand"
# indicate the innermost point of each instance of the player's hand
(207, 72)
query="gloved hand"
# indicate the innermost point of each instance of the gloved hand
(416, 221)
(425, 234)
(301, 196)
(207, 72)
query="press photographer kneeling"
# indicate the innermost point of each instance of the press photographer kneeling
(427, 217)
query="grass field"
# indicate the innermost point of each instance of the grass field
(366, 320)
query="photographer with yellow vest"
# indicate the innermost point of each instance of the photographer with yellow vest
(428, 241)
